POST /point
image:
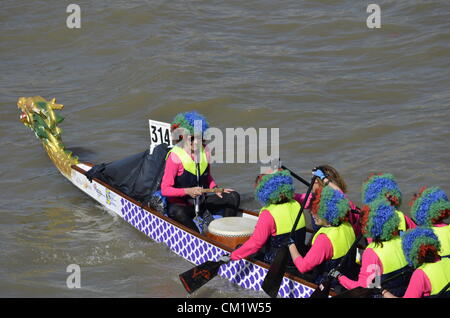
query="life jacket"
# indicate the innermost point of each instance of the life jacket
(393, 261)
(342, 238)
(438, 273)
(284, 215)
(188, 178)
(443, 234)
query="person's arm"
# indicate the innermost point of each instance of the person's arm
(211, 182)
(319, 173)
(370, 267)
(320, 251)
(354, 219)
(210, 179)
(264, 228)
(299, 197)
(168, 179)
(173, 168)
(409, 222)
(419, 286)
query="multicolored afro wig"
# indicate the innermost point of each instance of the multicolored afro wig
(429, 206)
(420, 245)
(382, 185)
(379, 220)
(274, 188)
(188, 120)
(331, 205)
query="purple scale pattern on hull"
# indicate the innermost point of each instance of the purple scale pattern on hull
(197, 251)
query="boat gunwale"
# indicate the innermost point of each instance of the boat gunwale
(192, 232)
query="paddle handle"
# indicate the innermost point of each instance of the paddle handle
(305, 200)
(197, 199)
(444, 290)
(296, 176)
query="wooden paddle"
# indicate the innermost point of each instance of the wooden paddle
(214, 190)
(323, 289)
(273, 279)
(198, 276)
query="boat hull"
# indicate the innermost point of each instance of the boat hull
(182, 241)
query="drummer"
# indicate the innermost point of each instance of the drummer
(276, 219)
(179, 183)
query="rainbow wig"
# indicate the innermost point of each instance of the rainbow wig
(419, 242)
(381, 185)
(274, 187)
(379, 220)
(331, 205)
(429, 206)
(187, 121)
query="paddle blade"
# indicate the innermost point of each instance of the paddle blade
(322, 290)
(358, 292)
(198, 276)
(273, 279)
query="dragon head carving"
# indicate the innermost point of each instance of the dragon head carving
(38, 114)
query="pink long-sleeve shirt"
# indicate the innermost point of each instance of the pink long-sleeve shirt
(370, 266)
(409, 222)
(321, 251)
(419, 285)
(174, 168)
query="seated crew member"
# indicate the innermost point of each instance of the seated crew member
(330, 209)
(383, 257)
(383, 185)
(276, 218)
(327, 175)
(179, 183)
(430, 207)
(432, 273)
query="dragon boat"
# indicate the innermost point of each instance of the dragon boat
(39, 115)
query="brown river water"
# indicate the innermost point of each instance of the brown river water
(363, 100)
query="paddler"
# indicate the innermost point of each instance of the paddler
(383, 185)
(276, 218)
(383, 257)
(330, 210)
(329, 176)
(430, 207)
(432, 273)
(188, 160)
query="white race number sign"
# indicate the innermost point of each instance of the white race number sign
(159, 133)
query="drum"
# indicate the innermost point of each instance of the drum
(231, 231)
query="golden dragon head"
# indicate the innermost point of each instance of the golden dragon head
(38, 114)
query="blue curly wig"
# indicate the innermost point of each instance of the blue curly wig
(331, 205)
(272, 188)
(417, 243)
(430, 206)
(381, 186)
(187, 121)
(379, 220)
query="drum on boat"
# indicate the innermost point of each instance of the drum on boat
(231, 231)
